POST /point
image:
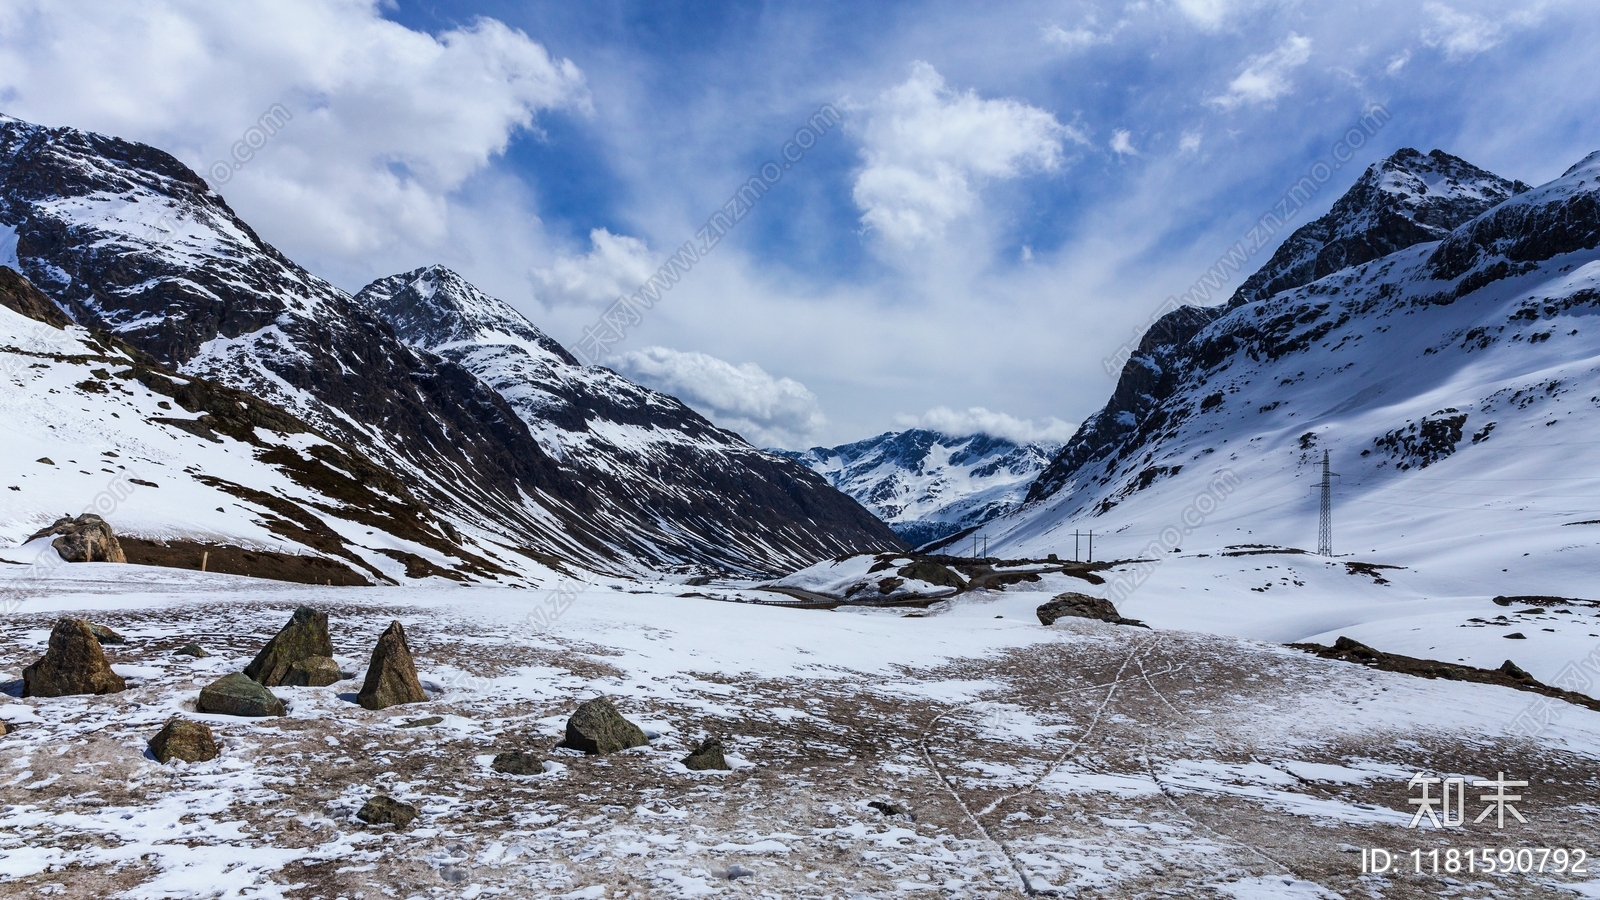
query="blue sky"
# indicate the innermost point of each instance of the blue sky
(1011, 192)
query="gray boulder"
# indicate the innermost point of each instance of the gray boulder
(239, 695)
(88, 538)
(73, 664)
(1082, 606)
(517, 762)
(597, 728)
(305, 636)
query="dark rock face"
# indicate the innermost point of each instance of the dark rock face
(703, 482)
(516, 762)
(385, 810)
(597, 728)
(19, 295)
(313, 671)
(86, 538)
(1082, 606)
(73, 664)
(304, 637)
(707, 756)
(391, 676)
(239, 695)
(185, 740)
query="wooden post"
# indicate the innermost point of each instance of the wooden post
(205, 557)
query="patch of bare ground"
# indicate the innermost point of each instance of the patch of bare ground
(1109, 762)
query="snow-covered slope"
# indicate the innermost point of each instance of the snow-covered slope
(647, 459)
(94, 426)
(1455, 383)
(928, 485)
(130, 241)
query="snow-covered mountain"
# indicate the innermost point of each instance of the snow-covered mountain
(929, 485)
(1453, 381)
(648, 460)
(130, 241)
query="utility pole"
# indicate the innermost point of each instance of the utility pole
(1091, 545)
(1325, 521)
(1075, 546)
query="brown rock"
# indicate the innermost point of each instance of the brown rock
(185, 740)
(384, 810)
(19, 294)
(305, 636)
(88, 538)
(391, 676)
(105, 635)
(1082, 606)
(74, 664)
(194, 650)
(517, 762)
(596, 727)
(313, 671)
(707, 756)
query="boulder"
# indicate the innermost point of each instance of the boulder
(313, 671)
(384, 810)
(4, 729)
(194, 650)
(424, 722)
(306, 635)
(890, 808)
(1082, 606)
(74, 664)
(597, 728)
(516, 762)
(239, 695)
(1512, 670)
(105, 635)
(185, 740)
(707, 756)
(391, 676)
(88, 538)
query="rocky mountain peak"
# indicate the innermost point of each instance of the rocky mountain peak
(433, 307)
(1408, 198)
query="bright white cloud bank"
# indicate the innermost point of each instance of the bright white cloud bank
(385, 122)
(927, 148)
(977, 420)
(616, 265)
(767, 411)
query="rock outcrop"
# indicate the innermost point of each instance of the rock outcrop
(73, 664)
(517, 762)
(1082, 606)
(185, 740)
(597, 728)
(239, 695)
(305, 636)
(87, 538)
(392, 675)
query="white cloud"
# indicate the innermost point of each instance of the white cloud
(977, 420)
(1397, 63)
(1211, 15)
(1122, 143)
(1189, 142)
(1459, 34)
(767, 411)
(385, 122)
(615, 265)
(927, 148)
(1075, 39)
(1266, 78)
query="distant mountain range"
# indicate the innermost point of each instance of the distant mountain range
(507, 446)
(928, 485)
